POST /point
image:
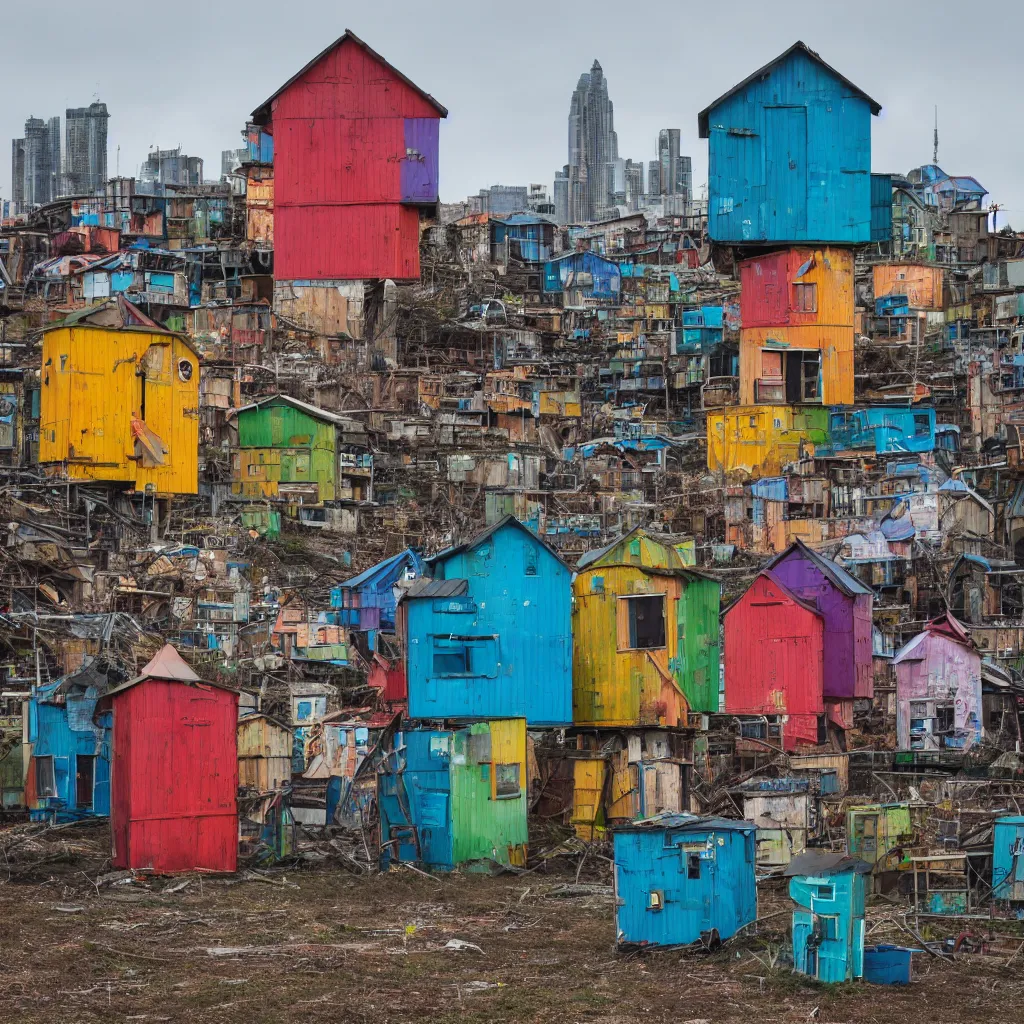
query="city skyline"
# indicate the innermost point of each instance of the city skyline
(528, 111)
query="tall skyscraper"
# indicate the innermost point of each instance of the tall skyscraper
(593, 148)
(675, 174)
(561, 195)
(634, 183)
(85, 149)
(18, 173)
(654, 178)
(41, 177)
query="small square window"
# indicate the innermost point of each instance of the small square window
(693, 865)
(451, 661)
(507, 782)
(656, 900)
(597, 584)
(805, 298)
(642, 623)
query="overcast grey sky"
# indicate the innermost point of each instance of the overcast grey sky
(190, 72)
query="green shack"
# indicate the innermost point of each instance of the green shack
(293, 452)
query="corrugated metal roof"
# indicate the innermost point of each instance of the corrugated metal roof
(379, 568)
(798, 46)
(686, 823)
(437, 588)
(311, 410)
(484, 534)
(836, 573)
(824, 862)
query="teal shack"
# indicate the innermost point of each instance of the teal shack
(828, 923)
(681, 878)
(789, 152)
(1008, 859)
(454, 798)
(490, 635)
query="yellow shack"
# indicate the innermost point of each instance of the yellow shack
(645, 637)
(119, 401)
(758, 440)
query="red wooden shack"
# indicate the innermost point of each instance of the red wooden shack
(174, 770)
(774, 663)
(355, 161)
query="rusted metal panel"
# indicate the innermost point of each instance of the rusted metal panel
(920, 283)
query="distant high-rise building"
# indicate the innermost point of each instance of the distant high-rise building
(231, 160)
(675, 176)
(654, 178)
(41, 161)
(593, 147)
(634, 174)
(170, 167)
(18, 173)
(539, 201)
(561, 195)
(85, 149)
(502, 200)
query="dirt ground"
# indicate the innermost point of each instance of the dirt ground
(323, 945)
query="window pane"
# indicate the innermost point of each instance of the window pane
(451, 661)
(45, 786)
(647, 622)
(506, 780)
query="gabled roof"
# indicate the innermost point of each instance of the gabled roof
(835, 573)
(262, 113)
(797, 47)
(167, 665)
(310, 410)
(114, 314)
(945, 626)
(479, 538)
(767, 572)
(589, 559)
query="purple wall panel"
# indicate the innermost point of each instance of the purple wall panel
(419, 167)
(847, 658)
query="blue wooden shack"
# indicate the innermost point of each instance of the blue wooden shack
(703, 328)
(880, 429)
(680, 878)
(790, 157)
(490, 635)
(828, 924)
(586, 274)
(522, 238)
(1008, 859)
(452, 798)
(69, 770)
(368, 601)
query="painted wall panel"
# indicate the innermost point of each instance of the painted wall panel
(774, 659)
